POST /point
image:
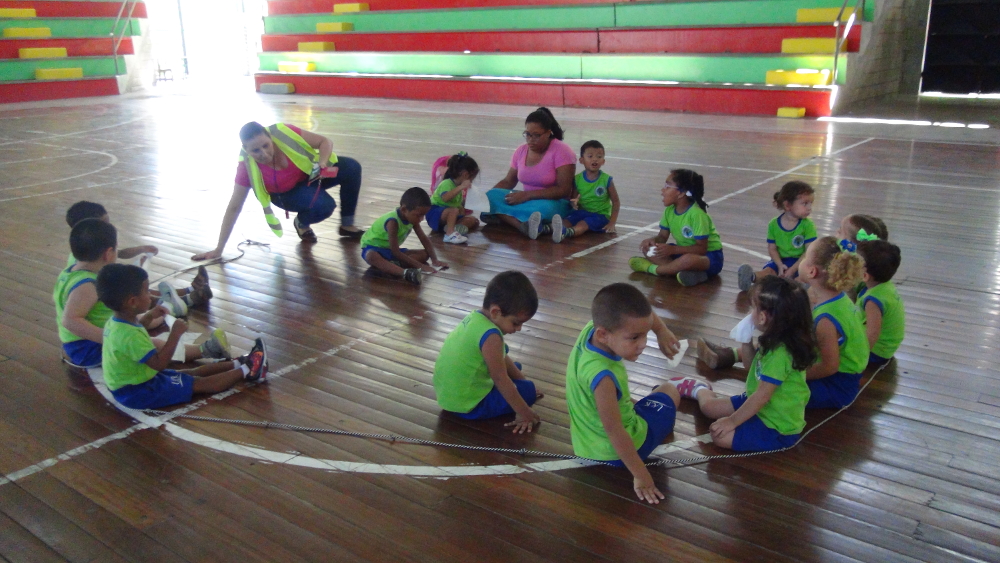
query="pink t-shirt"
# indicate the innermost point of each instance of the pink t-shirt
(543, 174)
(275, 181)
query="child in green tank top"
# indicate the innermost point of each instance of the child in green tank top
(880, 306)
(770, 415)
(474, 377)
(595, 198)
(840, 336)
(605, 423)
(380, 245)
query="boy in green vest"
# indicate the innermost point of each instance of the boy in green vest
(473, 376)
(596, 199)
(80, 316)
(605, 423)
(135, 369)
(881, 308)
(380, 244)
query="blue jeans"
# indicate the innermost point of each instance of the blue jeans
(300, 199)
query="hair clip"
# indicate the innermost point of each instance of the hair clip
(689, 194)
(847, 246)
(462, 154)
(863, 235)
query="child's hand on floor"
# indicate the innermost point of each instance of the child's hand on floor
(524, 424)
(440, 264)
(610, 229)
(645, 489)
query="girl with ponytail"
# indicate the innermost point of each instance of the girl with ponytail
(696, 254)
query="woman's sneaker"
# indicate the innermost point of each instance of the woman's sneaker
(217, 346)
(557, 228)
(173, 302)
(412, 275)
(689, 387)
(455, 238)
(256, 361)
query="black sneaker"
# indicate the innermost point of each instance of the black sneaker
(412, 275)
(256, 360)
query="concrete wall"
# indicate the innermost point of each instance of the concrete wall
(891, 56)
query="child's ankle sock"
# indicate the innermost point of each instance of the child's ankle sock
(545, 230)
(736, 353)
(244, 369)
(652, 269)
(568, 232)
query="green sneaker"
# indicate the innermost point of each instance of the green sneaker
(639, 264)
(217, 346)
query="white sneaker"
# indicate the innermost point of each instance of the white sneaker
(172, 301)
(557, 228)
(455, 238)
(534, 221)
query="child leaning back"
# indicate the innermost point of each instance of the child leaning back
(596, 199)
(380, 244)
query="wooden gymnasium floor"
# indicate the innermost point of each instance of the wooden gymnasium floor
(909, 473)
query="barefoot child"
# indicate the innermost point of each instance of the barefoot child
(81, 316)
(770, 415)
(380, 244)
(835, 380)
(448, 201)
(474, 377)
(788, 235)
(881, 308)
(697, 254)
(135, 370)
(596, 199)
(177, 300)
(604, 422)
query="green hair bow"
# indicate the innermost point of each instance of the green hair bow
(863, 235)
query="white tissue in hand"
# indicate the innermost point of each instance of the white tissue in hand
(476, 200)
(651, 252)
(743, 332)
(141, 260)
(676, 360)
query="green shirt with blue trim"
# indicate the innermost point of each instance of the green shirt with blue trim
(595, 197)
(884, 295)
(851, 335)
(791, 244)
(587, 367)
(378, 236)
(127, 348)
(461, 377)
(68, 281)
(785, 412)
(444, 187)
(691, 226)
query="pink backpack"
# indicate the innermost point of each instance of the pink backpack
(438, 169)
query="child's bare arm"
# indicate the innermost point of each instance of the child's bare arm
(450, 194)
(772, 251)
(752, 406)
(829, 351)
(665, 338)
(81, 300)
(129, 253)
(426, 242)
(873, 323)
(494, 357)
(616, 206)
(392, 230)
(606, 399)
(661, 237)
(163, 356)
(512, 370)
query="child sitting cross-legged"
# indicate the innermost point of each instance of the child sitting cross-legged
(448, 201)
(380, 244)
(81, 316)
(596, 199)
(474, 377)
(135, 370)
(881, 308)
(770, 415)
(605, 423)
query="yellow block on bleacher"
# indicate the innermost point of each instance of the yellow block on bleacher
(296, 66)
(57, 73)
(810, 45)
(334, 27)
(800, 77)
(791, 112)
(41, 52)
(33, 32)
(345, 8)
(18, 13)
(821, 15)
(317, 46)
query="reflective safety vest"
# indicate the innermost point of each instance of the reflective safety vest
(298, 151)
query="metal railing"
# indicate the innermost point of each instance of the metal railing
(842, 29)
(117, 38)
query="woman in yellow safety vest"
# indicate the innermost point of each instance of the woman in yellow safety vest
(291, 169)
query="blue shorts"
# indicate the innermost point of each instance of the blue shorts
(833, 392)
(659, 412)
(755, 436)
(595, 221)
(83, 353)
(167, 388)
(493, 404)
(876, 360)
(384, 252)
(434, 218)
(788, 262)
(715, 260)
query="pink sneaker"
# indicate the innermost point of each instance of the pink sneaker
(688, 387)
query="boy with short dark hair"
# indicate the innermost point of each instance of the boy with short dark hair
(135, 368)
(81, 316)
(881, 308)
(474, 377)
(605, 423)
(594, 198)
(380, 244)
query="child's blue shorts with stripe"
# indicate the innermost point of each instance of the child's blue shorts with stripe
(755, 436)
(166, 388)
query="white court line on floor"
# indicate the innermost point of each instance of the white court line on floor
(84, 132)
(79, 188)
(754, 253)
(114, 161)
